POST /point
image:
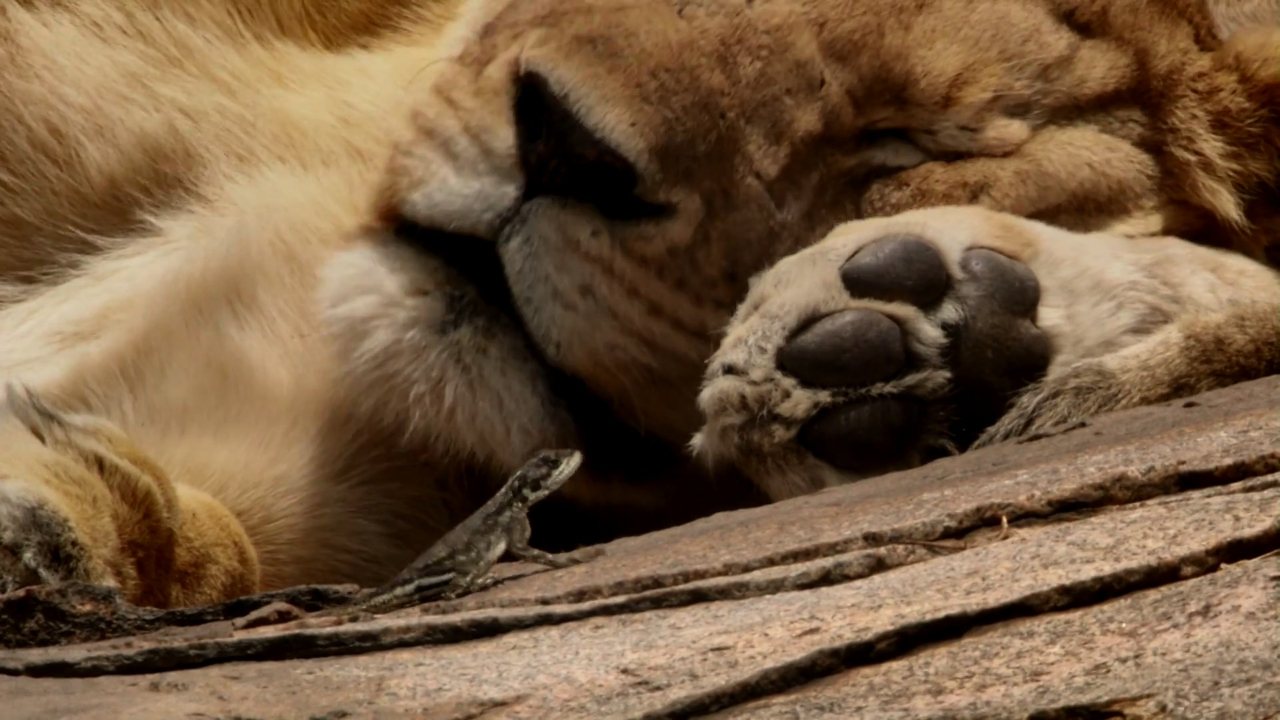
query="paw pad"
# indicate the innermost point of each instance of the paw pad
(902, 268)
(1007, 283)
(887, 344)
(849, 348)
(869, 436)
(994, 349)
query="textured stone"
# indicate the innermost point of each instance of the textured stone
(681, 661)
(902, 596)
(1204, 648)
(1214, 439)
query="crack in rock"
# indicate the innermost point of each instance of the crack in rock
(45, 616)
(900, 640)
(1232, 516)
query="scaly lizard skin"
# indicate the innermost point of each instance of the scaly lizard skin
(456, 563)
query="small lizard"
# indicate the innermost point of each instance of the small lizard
(457, 562)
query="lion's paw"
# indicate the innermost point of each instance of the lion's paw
(57, 519)
(883, 346)
(80, 502)
(896, 340)
(39, 544)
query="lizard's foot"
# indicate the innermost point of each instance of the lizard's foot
(463, 586)
(556, 560)
(78, 502)
(459, 588)
(897, 340)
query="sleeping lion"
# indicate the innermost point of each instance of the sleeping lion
(289, 288)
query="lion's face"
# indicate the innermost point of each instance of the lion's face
(636, 163)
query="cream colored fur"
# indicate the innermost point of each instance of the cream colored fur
(200, 213)
(197, 329)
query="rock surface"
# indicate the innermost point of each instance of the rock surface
(1123, 569)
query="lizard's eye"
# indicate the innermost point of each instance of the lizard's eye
(561, 157)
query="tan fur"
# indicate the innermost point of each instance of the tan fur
(161, 545)
(211, 204)
(202, 235)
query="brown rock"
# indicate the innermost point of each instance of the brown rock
(901, 596)
(1204, 648)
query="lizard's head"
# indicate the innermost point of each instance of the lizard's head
(545, 473)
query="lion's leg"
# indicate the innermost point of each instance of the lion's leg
(334, 449)
(898, 339)
(79, 502)
(1212, 180)
(1073, 177)
(1232, 15)
(113, 111)
(1200, 350)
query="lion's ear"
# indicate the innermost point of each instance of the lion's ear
(562, 157)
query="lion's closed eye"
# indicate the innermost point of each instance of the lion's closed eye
(884, 152)
(561, 157)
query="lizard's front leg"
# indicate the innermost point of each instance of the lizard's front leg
(518, 547)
